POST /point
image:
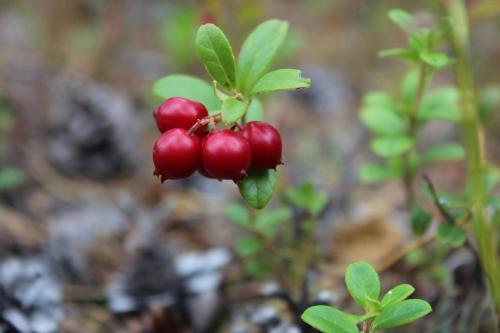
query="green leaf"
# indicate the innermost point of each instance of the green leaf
(403, 19)
(397, 294)
(382, 121)
(258, 51)
(232, 110)
(371, 173)
(258, 187)
(186, 86)
(409, 88)
(444, 152)
(420, 220)
(255, 111)
(329, 320)
(441, 104)
(178, 33)
(363, 283)
(307, 198)
(397, 53)
(268, 222)
(392, 146)
(489, 101)
(451, 234)
(379, 100)
(217, 55)
(435, 59)
(401, 313)
(281, 80)
(238, 215)
(248, 246)
(10, 177)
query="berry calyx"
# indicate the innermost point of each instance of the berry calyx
(265, 144)
(178, 112)
(176, 154)
(226, 155)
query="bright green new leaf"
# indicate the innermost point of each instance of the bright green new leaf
(232, 110)
(392, 146)
(329, 320)
(238, 215)
(440, 104)
(420, 220)
(401, 313)
(451, 234)
(258, 187)
(444, 152)
(372, 173)
(409, 88)
(382, 121)
(186, 86)
(280, 80)
(248, 246)
(10, 177)
(397, 294)
(403, 19)
(379, 100)
(397, 53)
(258, 51)
(255, 111)
(217, 55)
(269, 222)
(363, 283)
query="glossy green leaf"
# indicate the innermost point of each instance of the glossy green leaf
(397, 294)
(258, 187)
(402, 18)
(255, 111)
(238, 214)
(269, 221)
(420, 220)
(248, 246)
(372, 173)
(217, 55)
(401, 313)
(444, 152)
(232, 110)
(327, 319)
(281, 80)
(440, 104)
(186, 86)
(362, 283)
(382, 121)
(392, 146)
(258, 51)
(451, 234)
(10, 177)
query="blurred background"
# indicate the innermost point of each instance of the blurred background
(91, 242)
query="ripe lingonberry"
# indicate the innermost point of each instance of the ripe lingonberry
(176, 154)
(226, 155)
(178, 112)
(265, 144)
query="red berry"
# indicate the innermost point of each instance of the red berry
(265, 144)
(178, 112)
(176, 154)
(226, 155)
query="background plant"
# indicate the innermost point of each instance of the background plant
(363, 284)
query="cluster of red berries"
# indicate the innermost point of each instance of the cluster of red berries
(190, 142)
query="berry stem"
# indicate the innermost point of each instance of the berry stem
(213, 119)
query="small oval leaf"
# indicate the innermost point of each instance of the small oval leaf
(281, 80)
(402, 313)
(232, 110)
(392, 146)
(362, 283)
(329, 320)
(258, 187)
(217, 55)
(397, 294)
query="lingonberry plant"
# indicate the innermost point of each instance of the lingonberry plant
(248, 150)
(363, 284)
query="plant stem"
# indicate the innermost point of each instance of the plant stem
(408, 173)
(474, 146)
